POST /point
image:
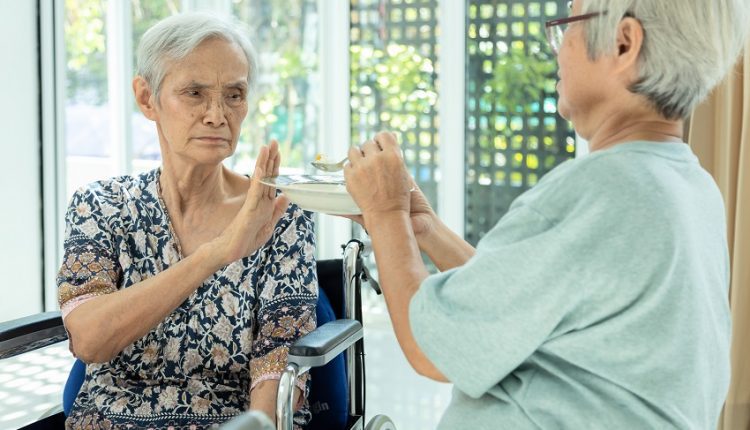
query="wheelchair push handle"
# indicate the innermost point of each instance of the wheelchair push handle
(354, 253)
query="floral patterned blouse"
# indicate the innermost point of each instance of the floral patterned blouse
(197, 367)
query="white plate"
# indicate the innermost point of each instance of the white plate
(317, 193)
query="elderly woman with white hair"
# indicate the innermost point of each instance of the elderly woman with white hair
(600, 299)
(183, 287)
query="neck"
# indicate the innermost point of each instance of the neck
(186, 187)
(631, 124)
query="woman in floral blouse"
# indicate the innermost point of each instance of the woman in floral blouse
(183, 287)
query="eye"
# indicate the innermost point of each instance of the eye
(235, 97)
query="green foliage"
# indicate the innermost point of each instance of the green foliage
(278, 109)
(518, 81)
(399, 77)
(85, 47)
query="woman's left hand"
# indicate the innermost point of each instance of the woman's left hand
(254, 223)
(376, 176)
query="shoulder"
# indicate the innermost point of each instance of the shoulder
(633, 176)
(108, 197)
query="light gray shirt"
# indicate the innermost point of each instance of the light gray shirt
(599, 301)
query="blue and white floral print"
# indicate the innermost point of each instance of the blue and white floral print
(197, 367)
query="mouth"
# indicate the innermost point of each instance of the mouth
(212, 139)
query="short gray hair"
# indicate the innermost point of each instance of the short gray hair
(689, 45)
(175, 37)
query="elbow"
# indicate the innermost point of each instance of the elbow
(432, 373)
(425, 368)
(87, 346)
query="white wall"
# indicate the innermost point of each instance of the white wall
(20, 210)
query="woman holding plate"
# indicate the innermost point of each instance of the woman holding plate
(600, 299)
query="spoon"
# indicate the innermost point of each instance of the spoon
(320, 163)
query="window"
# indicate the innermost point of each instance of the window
(513, 133)
(105, 133)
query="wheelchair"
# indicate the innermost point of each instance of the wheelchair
(333, 354)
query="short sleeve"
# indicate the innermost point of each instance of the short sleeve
(480, 321)
(90, 267)
(287, 292)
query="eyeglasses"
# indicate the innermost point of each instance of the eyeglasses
(555, 29)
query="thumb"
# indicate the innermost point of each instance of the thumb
(279, 207)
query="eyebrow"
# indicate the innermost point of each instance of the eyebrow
(240, 85)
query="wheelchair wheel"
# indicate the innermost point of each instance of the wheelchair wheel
(380, 422)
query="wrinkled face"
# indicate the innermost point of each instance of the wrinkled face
(202, 103)
(583, 83)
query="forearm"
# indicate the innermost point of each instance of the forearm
(445, 248)
(102, 327)
(401, 272)
(264, 397)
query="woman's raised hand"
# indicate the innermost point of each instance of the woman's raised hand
(255, 222)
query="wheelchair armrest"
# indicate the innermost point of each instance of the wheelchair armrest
(324, 343)
(30, 333)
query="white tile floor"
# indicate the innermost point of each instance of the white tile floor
(393, 388)
(32, 384)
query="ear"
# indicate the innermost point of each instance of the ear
(144, 98)
(628, 46)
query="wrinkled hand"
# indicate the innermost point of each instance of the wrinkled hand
(422, 215)
(254, 223)
(376, 176)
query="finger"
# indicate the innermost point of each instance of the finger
(262, 159)
(388, 142)
(279, 208)
(276, 164)
(272, 165)
(355, 154)
(257, 189)
(370, 147)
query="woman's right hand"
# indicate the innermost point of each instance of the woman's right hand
(423, 217)
(254, 223)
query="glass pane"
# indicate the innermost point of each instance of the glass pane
(393, 73)
(87, 148)
(145, 141)
(513, 132)
(286, 104)
(284, 107)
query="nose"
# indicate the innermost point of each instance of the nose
(215, 115)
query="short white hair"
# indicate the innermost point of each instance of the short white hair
(175, 37)
(688, 47)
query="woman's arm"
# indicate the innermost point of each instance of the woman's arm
(102, 326)
(263, 398)
(401, 271)
(445, 248)
(287, 296)
(377, 179)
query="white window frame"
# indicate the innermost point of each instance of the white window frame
(452, 111)
(52, 49)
